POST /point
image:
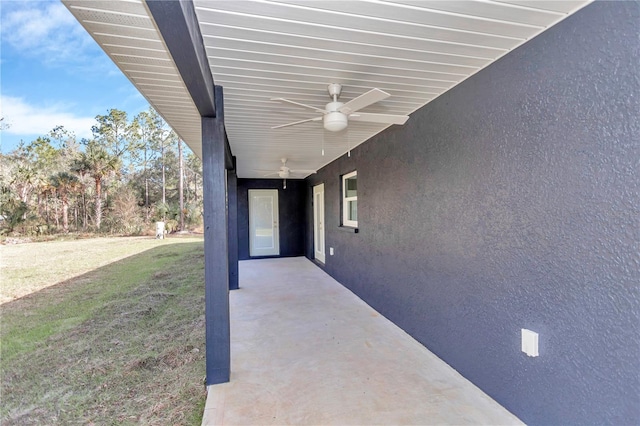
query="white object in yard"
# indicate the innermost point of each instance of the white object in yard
(159, 230)
(529, 342)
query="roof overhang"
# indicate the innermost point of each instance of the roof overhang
(258, 50)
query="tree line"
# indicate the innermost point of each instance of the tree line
(129, 174)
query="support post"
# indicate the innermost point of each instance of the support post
(232, 211)
(216, 270)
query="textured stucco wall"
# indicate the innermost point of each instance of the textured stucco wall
(513, 201)
(291, 207)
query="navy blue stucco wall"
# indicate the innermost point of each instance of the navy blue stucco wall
(291, 207)
(513, 201)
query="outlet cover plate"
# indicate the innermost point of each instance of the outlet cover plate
(530, 342)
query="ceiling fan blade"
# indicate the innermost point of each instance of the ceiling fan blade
(379, 118)
(297, 122)
(364, 100)
(303, 171)
(321, 111)
(271, 174)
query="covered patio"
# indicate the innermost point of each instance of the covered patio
(306, 350)
(506, 206)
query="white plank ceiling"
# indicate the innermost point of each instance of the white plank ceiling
(258, 50)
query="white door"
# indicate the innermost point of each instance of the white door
(263, 222)
(318, 222)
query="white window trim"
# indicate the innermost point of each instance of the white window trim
(345, 201)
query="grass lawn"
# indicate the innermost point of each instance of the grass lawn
(122, 343)
(26, 268)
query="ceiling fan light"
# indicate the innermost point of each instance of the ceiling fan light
(335, 121)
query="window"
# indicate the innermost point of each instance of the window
(350, 199)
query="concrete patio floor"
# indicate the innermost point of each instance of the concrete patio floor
(305, 350)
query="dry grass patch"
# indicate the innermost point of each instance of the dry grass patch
(121, 344)
(30, 267)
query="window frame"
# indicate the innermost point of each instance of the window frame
(345, 201)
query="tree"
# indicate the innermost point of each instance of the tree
(98, 163)
(193, 175)
(12, 209)
(42, 155)
(147, 132)
(25, 180)
(54, 176)
(64, 183)
(124, 212)
(166, 140)
(114, 132)
(181, 184)
(68, 146)
(34, 162)
(161, 165)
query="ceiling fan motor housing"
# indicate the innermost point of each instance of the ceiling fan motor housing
(334, 120)
(334, 89)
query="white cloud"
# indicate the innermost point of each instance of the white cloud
(26, 120)
(46, 30)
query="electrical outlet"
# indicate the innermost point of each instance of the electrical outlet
(529, 342)
(330, 251)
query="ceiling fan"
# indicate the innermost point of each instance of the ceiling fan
(285, 172)
(336, 115)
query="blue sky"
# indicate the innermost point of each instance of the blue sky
(53, 73)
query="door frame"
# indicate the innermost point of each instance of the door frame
(253, 252)
(319, 253)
